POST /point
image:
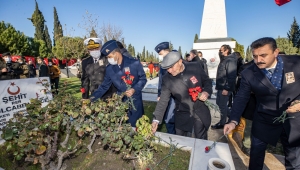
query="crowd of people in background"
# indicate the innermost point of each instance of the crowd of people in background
(22, 69)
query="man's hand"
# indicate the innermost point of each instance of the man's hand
(204, 96)
(3, 70)
(154, 126)
(228, 128)
(294, 107)
(224, 92)
(158, 98)
(129, 92)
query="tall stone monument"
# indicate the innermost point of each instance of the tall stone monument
(213, 34)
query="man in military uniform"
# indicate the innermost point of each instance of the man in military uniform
(93, 69)
(9, 69)
(163, 49)
(190, 116)
(118, 67)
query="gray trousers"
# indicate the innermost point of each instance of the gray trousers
(222, 103)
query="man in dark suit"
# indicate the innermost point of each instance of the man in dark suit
(275, 82)
(93, 69)
(118, 67)
(189, 115)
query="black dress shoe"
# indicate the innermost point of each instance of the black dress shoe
(217, 126)
(246, 151)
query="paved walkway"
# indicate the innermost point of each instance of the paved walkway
(241, 161)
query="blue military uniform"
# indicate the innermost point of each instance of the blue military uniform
(113, 76)
(169, 114)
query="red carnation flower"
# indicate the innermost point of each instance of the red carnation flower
(127, 72)
(207, 149)
(123, 77)
(82, 90)
(131, 77)
(129, 82)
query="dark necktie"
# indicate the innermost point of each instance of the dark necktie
(271, 71)
(95, 60)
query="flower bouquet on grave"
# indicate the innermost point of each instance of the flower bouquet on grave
(128, 79)
(284, 115)
(196, 92)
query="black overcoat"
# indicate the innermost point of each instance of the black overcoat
(270, 102)
(93, 76)
(185, 109)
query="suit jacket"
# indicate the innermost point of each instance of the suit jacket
(113, 76)
(93, 76)
(185, 108)
(43, 70)
(270, 102)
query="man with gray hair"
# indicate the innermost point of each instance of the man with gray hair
(190, 114)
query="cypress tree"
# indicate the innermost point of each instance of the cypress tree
(179, 50)
(47, 38)
(249, 54)
(143, 54)
(123, 42)
(133, 51)
(105, 39)
(93, 33)
(58, 32)
(171, 46)
(38, 21)
(196, 38)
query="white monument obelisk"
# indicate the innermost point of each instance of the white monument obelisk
(213, 34)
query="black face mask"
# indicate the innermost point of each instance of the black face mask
(221, 55)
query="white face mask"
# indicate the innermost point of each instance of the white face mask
(49, 64)
(8, 59)
(95, 54)
(160, 57)
(112, 61)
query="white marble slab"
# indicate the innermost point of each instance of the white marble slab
(199, 159)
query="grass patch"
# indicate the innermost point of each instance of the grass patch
(73, 86)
